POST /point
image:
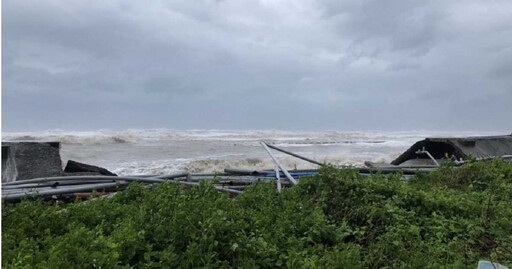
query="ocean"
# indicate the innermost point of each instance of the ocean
(164, 151)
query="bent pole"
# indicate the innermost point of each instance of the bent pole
(294, 154)
(285, 172)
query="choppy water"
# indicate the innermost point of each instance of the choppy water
(160, 151)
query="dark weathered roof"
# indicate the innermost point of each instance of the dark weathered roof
(466, 147)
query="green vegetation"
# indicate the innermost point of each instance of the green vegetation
(450, 218)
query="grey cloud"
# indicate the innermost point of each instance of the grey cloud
(395, 25)
(503, 68)
(255, 65)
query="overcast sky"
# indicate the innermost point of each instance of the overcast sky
(294, 65)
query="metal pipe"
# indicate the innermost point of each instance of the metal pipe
(373, 165)
(295, 174)
(231, 177)
(62, 178)
(54, 184)
(278, 176)
(248, 172)
(241, 171)
(186, 183)
(173, 176)
(228, 190)
(103, 186)
(423, 151)
(150, 175)
(91, 177)
(210, 174)
(42, 189)
(241, 187)
(393, 171)
(294, 155)
(278, 164)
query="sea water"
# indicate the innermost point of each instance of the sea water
(164, 151)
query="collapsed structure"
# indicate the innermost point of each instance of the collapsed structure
(459, 149)
(430, 152)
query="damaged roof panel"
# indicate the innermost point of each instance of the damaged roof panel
(460, 148)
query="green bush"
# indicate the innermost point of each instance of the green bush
(450, 218)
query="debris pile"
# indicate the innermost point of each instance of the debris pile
(34, 168)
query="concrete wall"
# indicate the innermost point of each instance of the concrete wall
(30, 159)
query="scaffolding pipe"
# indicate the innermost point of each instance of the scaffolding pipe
(294, 154)
(92, 177)
(54, 184)
(71, 189)
(278, 176)
(241, 171)
(285, 172)
(90, 187)
(103, 186)
(42, 190)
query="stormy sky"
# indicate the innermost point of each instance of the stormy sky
(293, 65)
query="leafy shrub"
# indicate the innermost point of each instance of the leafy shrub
(450, 218)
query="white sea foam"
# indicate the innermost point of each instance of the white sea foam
(301, 137)
(218, 165)
(160, 151)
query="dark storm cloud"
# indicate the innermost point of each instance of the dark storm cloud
(257, 64)
(395, 25)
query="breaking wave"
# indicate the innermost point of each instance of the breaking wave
(82, 138)
(163, 151)
(284, 138)
(218, 165)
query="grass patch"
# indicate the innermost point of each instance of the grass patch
(450, 218)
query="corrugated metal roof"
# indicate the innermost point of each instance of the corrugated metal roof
(465, 147)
